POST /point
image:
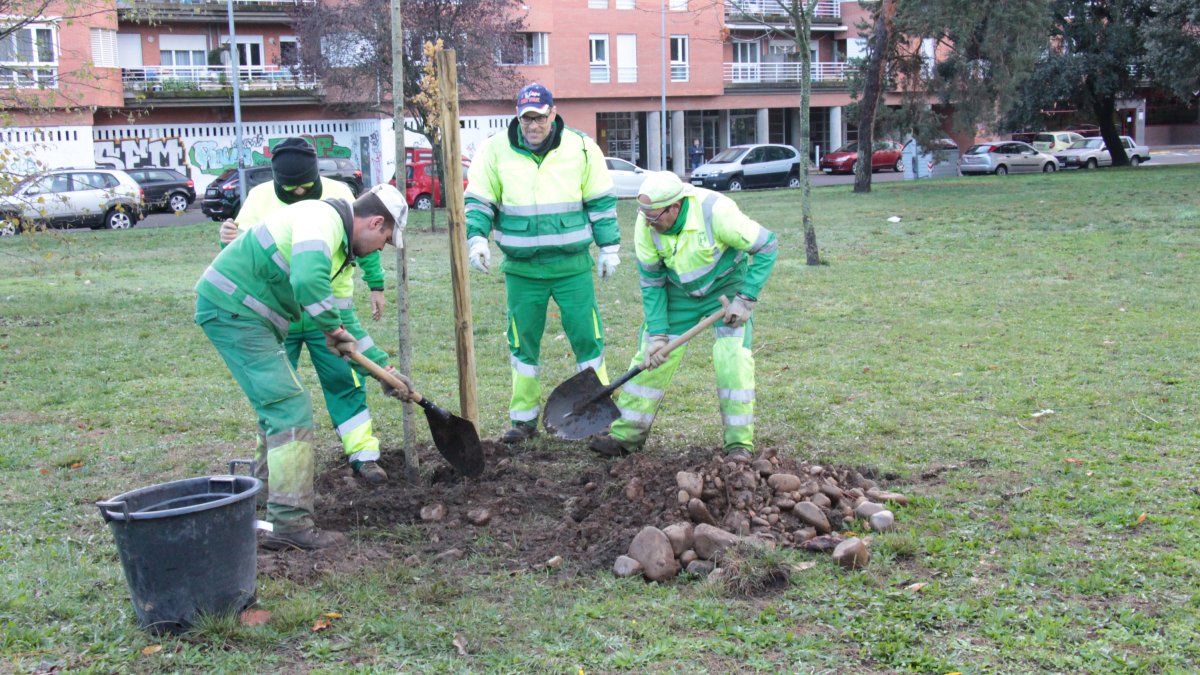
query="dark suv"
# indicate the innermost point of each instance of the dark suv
(221, 199)
(165, 189)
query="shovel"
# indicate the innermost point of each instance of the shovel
(456, 438)
(581, 406)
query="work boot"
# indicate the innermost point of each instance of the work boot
(305, 540)
(738, 454)
(370, 471)
(519, 433)
(606, 446)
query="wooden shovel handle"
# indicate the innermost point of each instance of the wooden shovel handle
(384, 376)
(694, 330)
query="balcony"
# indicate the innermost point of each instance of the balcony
(206, 82)
(247, 11)
(769, 11)
(824, 74)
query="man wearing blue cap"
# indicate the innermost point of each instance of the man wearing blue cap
(544, 189)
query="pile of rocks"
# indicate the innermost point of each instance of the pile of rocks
(764, 502)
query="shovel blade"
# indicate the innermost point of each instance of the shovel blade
(571, 413)
(456, 439)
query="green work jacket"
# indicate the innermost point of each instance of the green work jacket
(546, 211)
(717, 251)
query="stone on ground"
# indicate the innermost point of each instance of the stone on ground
(653, 550)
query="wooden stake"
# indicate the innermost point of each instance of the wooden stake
(457, 226)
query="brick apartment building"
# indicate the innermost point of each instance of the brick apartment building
(148, 82)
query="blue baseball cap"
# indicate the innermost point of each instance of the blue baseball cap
(534, 97)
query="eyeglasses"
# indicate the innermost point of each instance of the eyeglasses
(534, 119)
(293, 188)
(661, 212)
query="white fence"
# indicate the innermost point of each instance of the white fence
(826, 9)
(781, 73)
(214, 78)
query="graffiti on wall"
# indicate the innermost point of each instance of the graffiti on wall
(137, 153)
(211, 157)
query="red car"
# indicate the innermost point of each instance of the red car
(886, 156)
(422, 188)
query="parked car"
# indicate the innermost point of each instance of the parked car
(165, 189)
(422, 189)
(72, 198)
(1053, 141)
(750, 166)
(886, 155)
(1004, 157)
(1090, 153)
(626, 176)
(222, 199)
(344, 170)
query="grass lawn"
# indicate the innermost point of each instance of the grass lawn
(1020, 352)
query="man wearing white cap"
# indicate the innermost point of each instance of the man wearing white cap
(545, 191)
(280, 270)
(693, 247)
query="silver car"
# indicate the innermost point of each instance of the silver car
(1003, 157)
(71, 198)
(750, 166)
(626, 176)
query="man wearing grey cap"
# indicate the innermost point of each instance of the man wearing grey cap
(279, 271)
(544, 189)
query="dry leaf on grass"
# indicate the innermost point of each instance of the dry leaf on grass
(332, 615)
(152, 649)
(1072, 460)
(916, 587)
(254, 617)
(1140, 519)
(77, 465)
(319, 625)
(460, 643)
(44, 472)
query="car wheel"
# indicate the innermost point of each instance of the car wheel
(8, 228)
(423, 202)
(178, 202)
(1001, 170)
(1134, 161)
(1049, 167)
(735, 184)
(898, 167)
(1091, 164)
(118, 218)
(793, 181)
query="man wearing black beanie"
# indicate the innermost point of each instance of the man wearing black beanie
(294, 165)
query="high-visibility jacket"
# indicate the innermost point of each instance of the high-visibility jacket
(705, 257)
(283, 267)
(546, 211)
(262, 202)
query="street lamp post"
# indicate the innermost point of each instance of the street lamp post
(662, 128)
(237, 102)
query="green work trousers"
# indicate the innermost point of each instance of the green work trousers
(528, 300)
(733, 362)
(345, 391)
(257, 359)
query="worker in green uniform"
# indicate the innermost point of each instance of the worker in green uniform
(296, 178)
(694, 246)
(266, 279)
(544, 189)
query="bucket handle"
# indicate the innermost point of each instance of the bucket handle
(251, 466)
(122, 506)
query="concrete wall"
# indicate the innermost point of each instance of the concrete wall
(1172, 134)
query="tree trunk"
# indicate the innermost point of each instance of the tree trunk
(803, 23)
(872, 91)
(1105, 109)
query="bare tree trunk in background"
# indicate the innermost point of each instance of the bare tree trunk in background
(802, 21)
(872, 91)
(412, 468)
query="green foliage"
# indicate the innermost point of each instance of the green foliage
(923, 348)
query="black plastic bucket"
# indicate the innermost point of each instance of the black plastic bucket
(188, 547)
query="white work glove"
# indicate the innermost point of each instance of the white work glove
(739, 310)
(400, 393)
(655, 356)
(341, 342)
(229, 231)
(608, 261)
(479, 254)
(378, 301)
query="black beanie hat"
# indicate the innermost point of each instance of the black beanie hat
(294, 162)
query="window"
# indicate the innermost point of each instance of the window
(29, 57)
(626, 58)
(625, 4)
(104, 48)
(289, 51)
(678, 6)
(526, 49)
(679, 58)
(599, 57)
(746, 60)
(597, 4)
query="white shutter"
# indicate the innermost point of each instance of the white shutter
(104, 48)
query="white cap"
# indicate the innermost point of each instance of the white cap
(396, 205)
(663, 188)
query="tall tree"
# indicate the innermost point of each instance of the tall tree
(1173, 46)
(879, 47)
(1096, 57)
